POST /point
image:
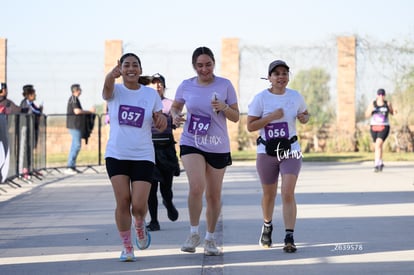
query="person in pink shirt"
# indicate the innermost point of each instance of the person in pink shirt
(210, 101)
(166, 161)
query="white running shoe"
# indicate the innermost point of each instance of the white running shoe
(191, 243)
(127, 255)
(210, 248)
(143, 237)
(70, 171)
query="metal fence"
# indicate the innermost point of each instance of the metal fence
(32, 145)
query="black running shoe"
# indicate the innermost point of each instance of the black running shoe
(381, 167)
(171, 210)
(153, 226)
(377, 169)
(266, 236)
(290, 246)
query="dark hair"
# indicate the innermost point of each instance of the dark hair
(28, 90)
(202, 50)
(160, 78)
(144, 80)
(75, 87)
(381, 92)
(130, 54)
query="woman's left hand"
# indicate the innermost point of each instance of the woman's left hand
(303, 117)
(160, 121)
(218, 105)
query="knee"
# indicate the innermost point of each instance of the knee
(124, 204)
(196, 191)
(213, 200)
(269, 197)
(288, 197)
(139, 207)
(139, 210)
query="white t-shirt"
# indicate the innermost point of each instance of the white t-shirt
(130, 116)
(265, 102)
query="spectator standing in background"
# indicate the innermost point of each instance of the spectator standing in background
(29, 124)
(74, 123)
(6, 105)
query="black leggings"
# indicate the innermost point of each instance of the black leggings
(166, 193)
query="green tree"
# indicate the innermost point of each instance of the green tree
(361, 107)
(403, 99)
(313, 85)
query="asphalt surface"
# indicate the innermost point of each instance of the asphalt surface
(350, 221)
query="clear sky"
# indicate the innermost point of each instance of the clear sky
(84, 25)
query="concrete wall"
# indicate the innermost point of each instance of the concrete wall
(346, 86)
(230, 68)
(113, 52)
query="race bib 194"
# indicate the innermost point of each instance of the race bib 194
(131, 116)
(199, 124)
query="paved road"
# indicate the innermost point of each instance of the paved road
(350, 221)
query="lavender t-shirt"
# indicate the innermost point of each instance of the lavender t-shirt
(204, 128)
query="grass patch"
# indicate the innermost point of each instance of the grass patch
(88, 157)
(84, 158)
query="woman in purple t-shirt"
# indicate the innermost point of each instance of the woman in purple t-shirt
(204, 145)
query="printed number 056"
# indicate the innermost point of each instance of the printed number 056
(274, 133)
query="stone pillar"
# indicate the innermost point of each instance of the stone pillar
(113, 51)
(230, 69)
(3, 60)
(346, 79)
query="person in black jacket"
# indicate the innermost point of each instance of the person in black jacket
(166, 166)
(74, 123)
(29, 124)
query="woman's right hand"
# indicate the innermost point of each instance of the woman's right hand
(276, 114)
(178, 119)
(116, 71)
(108, 88)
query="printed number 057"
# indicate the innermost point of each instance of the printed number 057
(131, 116)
